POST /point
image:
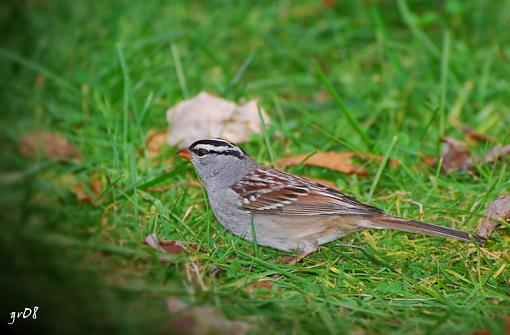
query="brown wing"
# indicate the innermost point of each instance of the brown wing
(275, 192)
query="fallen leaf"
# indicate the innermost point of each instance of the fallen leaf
(155, 141)
(336, 161)
(95, 187)
(497, 153)
(455, 155)
(498, 210)
(429, 160)
(206, 115)
(471, 134)
(49, 145)
(168, 246)
(200, 320)
(257, 285)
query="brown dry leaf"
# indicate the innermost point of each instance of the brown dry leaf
(499, 209)
(197, 320)
(206, 115)
(497, 153)
(258, 285)
(336, 161)
(429, 160)
(168, 246)
(95, 187)
(155, 141)
(49, 145)
(473, 135)
(455, 155)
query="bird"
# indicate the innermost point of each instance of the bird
(284, 211)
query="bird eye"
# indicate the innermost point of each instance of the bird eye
(201, 152)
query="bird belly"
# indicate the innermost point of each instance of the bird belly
(296, 232)
(287, 232)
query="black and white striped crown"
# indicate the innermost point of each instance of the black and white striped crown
(216, 146)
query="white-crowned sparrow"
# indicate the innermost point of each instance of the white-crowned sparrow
(287, 212)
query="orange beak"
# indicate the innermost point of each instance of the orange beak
(184, 153)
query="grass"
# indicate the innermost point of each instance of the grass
(351, 77)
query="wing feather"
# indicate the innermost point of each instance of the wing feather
(275, 192)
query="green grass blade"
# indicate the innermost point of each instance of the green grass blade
(343, 109)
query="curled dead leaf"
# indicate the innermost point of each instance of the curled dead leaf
(200, 320)
(168, 246)
(473, 135)
(258, 285)
(429, 160)
(95, 188)
(336, 161)
(455, 155)
(497, 153)
(206, 115)
(499, 209)
(49, 145)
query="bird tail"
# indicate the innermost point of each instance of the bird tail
(411, 226)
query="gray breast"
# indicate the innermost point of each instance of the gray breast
(225, 206)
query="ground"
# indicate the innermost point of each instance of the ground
(102, 74)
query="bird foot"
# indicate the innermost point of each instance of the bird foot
(290, 260)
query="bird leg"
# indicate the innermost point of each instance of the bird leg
(310, 246)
